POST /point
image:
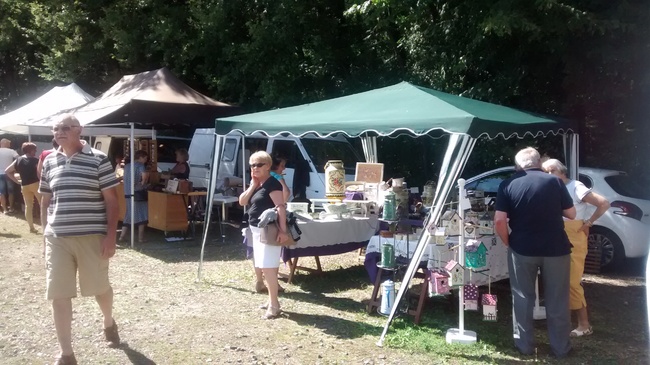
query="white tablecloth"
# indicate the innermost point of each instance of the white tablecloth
(319, 233)
(329, 237)
(497, 259)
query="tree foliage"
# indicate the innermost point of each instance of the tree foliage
(582, 59)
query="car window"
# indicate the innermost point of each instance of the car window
(586, 180)
(229, 150)
(287, 149)
(489, 184)
(627, 186)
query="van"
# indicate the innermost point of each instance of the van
(306, 159)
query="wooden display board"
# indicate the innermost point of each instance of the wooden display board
(369, 172)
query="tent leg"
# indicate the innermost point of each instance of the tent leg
(132, 173)
(216, 157)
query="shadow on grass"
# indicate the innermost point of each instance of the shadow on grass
(335, 303)
(216, 249)
(341, 328)
(135, 356)
(332, 281)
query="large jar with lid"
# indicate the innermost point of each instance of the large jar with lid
(334, 179)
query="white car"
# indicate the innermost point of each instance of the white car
(623, 231)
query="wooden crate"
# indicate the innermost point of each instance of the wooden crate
(592, 262)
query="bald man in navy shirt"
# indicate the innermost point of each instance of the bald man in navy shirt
(533, 203)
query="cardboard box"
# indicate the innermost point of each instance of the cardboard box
(184, 186)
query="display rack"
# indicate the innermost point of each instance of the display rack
(461, 335)
(375, 299)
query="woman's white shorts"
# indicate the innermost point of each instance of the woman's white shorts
(265, 256)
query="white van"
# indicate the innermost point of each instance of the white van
(306, 158)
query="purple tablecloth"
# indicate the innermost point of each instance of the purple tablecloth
(373, 258)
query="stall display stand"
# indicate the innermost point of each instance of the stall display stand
(461, 335)
(375, 299)
(320, 202)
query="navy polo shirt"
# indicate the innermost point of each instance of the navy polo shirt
(534, 201)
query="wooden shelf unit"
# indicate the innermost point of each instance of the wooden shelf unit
(167, 212)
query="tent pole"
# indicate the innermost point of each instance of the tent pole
(572, 153)
(243, 164)
(458, 151)
(132, 172)
(369, 144)
(216, 157)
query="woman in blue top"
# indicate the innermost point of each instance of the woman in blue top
(141, 216)
(277, 170)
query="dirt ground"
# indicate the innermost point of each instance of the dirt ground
(166, 316)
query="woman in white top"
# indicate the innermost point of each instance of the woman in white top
(578, 231)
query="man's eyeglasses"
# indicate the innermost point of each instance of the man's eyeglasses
(257, 165)
(64, 128)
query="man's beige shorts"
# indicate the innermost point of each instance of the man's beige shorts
(64, 256)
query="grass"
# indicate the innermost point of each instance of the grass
(167, 317)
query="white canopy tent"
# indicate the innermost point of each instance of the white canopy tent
(37, 117)
(394, 110)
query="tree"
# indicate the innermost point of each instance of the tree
(19, 55)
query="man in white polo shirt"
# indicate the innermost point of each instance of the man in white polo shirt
(7, 157)
(79, 212)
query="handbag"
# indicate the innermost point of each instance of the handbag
(141, 195)
(269, 236)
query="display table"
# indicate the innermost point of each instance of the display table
(223, 200)
(497, 257)
(329, 237)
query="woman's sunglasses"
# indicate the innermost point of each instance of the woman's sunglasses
(257, 165)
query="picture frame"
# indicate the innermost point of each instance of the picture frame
(172, 186)
(369, 172)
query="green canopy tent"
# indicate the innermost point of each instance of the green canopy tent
(399, 109)
(402, 108)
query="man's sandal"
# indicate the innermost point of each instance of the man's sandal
(577, 333)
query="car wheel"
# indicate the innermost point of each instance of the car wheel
(611, 248)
